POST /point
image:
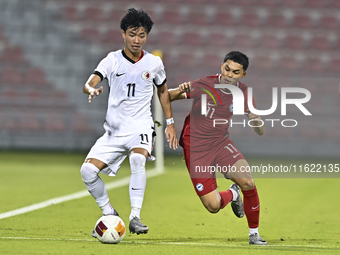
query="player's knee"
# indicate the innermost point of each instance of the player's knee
(137, 162)
(213, 207)
(247, 184)
(89, 172)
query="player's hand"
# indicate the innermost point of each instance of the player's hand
(252, 116)
(94, 93)
(171, 136)
(185, 87)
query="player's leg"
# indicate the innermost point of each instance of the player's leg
(205, 182)
(104, 156)
(215, 200)
(95, 185)
(137, 187)
(251, 202)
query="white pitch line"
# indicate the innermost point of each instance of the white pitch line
(175, 243)
(77, 195)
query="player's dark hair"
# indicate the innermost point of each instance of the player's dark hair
(135, 19)
(238, 57)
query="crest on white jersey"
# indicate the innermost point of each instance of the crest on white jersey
(145, 75)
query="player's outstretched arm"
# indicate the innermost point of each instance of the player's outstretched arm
(179, 93)
(90, 87)
(170, 132)
(256, 122)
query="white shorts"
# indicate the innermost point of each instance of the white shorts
(112, 150)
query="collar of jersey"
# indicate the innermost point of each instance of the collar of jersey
(129, 59)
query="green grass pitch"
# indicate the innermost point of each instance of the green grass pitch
(298, 215)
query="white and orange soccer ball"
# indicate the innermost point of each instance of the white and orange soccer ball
(110, 229)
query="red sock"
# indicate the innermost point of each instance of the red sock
(226, 197)
(251, 205)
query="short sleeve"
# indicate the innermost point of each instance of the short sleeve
(160, 76)
(105, 66)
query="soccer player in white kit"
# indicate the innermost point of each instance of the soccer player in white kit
(129, 128)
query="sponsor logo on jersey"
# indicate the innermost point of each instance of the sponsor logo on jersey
(146, 75)
(199, 186)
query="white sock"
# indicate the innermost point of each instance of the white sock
(235, 194)
(253, 231)
(95, 185)
(107, 209)
(137, 183)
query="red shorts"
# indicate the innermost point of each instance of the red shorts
(203, 165)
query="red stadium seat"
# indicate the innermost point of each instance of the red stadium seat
(302, 21)
(81, 123)
(316, 3)
(314, 65)
(269, 3)
(167, 1)
(169, 60)
(93, 14)
(251, 20)
(172, 17)
(10, 93)
(334, 4)
(152, 38)
(259, 83)
(91, 35)
(334, 66)
(276, 20)
(213, 60)
(225, 18)
(70, 13)
(167, 38)
(54, 122)
(245, 3)
(320, 43)
(329, 22)
(288, 64)
(113, 36)
(116, 15)
(196, 1)
(29, 121)
(293, 3)
(270, 41)
(197, 18)
(263, 63)
(35, 76)
(182, 77)
(187, 60)
(218, 39)
(244, 40)
(192, 39)
(294, 42)
(11, 76)
(13, 55)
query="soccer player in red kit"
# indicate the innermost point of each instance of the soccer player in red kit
(207, 147)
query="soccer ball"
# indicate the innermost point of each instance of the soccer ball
(110, 229)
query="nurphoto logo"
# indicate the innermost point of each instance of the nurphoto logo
(238, 104)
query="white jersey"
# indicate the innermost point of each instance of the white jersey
(131, 90)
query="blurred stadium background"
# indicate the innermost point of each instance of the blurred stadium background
(49, 48)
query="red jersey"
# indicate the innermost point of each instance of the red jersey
(204, 130)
